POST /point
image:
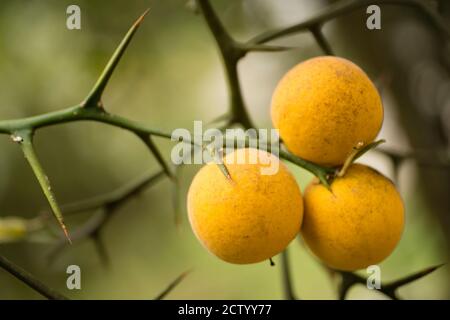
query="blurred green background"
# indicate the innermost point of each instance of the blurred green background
(170, 76)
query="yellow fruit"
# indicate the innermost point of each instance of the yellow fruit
(251, 217)
(356, 225)
(325, 106)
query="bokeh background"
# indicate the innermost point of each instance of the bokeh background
(172, 75)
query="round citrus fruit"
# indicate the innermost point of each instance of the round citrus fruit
(357, 223)
(325, 106)
(250, 217)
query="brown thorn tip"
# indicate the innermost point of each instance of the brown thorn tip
(431, 269)
(141, 18)
(186, 273)
(66, 233)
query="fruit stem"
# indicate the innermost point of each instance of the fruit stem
(357, 152)
(272, 264)
(351, 157)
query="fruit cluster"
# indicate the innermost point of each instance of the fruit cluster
(324, 108)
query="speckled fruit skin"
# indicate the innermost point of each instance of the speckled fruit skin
(356, 225)
(325, 106)
(250, 218)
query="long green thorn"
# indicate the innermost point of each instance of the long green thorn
(26, 143)
(413, 277)
(93, 100)
(157, 154)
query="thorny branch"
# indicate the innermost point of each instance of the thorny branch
(341, 8)
(350, 279)
(105, 207)
(314, 26)
(92, 109)
(231, 53)
(51, 294)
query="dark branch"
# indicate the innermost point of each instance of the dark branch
(393, 286)
(344, 7)
(350, 279)
(231, 53)
(29, 280)
(431, 158)
(148, 141)
(106, 205)
(321, 40)
(286, 274)
(172, 286)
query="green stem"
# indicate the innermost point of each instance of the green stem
(73, 114)
(319, 171)
(79, 113)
